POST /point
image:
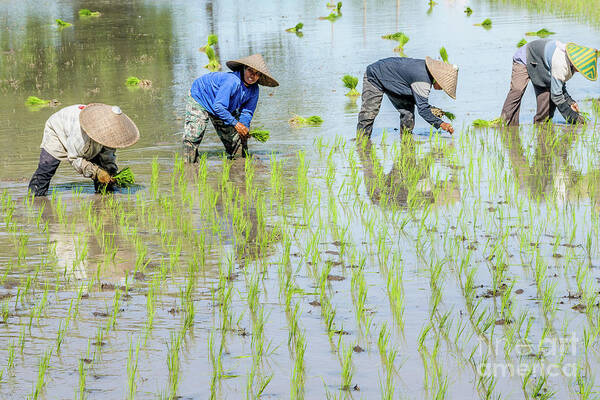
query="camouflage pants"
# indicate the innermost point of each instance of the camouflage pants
(196, 122)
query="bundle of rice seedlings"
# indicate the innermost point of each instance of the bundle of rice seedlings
(213, 62)
(335, 14)
(124, 177)
(542, 33)
(262, 135)
(62, 24)
(438, 112)
(482, 123)
(36, 101)
(486, 23)
(350, 82)
(84, 12)
(296, 29)
(444, 54)
(522, 43)
(468, 11)
(313, 120)
(399, 37)
(133, 81)
(210, 41)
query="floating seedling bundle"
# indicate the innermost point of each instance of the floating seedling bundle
(399, 37)
(542, 33)
(210, 41)
(522, 43)
(62, 24)
(134, 81)
(483, 123)
(468, 11)
(36, 101)
(335, 14)
(486, 23)
(313, 120)
(213, 62)
(84, 12)
(351, 82)
(296, 29)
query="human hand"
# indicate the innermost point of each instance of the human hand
(447, 127)
(242, 130)
(104, 177)
(575, 107)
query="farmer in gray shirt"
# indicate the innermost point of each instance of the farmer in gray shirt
(549, 64)
(407, 82)
(86, 137)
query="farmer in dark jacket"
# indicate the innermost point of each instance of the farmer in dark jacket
(549, 64)
(407, 82)
(228, 100)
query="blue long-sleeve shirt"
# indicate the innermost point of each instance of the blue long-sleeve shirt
(402, 76)
(223, 93)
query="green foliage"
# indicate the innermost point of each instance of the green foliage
(486, 23)
(444, 54)
(261, 135)
(313, 120)
(212, 39)
(124, 177)
(36, 101)
(449, 115)
(133, 81)
(84, 12)
(351, 82)
(296, 29)
(399, 37)
(482, 123)
(468, 11)
(213, 61)
(62, 24)
(542, 33)
(522, 43)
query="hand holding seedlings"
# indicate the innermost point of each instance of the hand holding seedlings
(241, 129)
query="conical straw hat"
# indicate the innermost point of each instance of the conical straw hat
(257, 62)
(446, 75)
(584, 60)
(108, 125)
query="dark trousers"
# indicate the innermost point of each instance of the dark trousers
(518, 83)
(371, 102)
(40, 181)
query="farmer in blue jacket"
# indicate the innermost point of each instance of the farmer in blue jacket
(407, 82)
(228, 100)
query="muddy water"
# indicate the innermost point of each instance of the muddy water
(452, 201)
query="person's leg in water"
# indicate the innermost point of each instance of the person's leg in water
(545, 107)
(518, 84)
(371, 102)
(232, 141)
(196, 119)
(40, 181)
(406, 108)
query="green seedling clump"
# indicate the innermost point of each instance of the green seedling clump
(296, 29)
(335, 14)
(542, 33)
(261, 135)
(438, 112)
(486, 23)
(62, 24)
(210, 41)
(36, 101)
(522, 43)
(84, 12)
(468, 11)
(399, 37)
(312, 120)
(133, 81)
(444, 54)
(350, 82)
(483, 123)
(124, 177)
(213, 63)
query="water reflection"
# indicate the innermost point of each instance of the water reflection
(409, 181)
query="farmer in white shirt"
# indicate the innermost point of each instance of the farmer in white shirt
(85, 136)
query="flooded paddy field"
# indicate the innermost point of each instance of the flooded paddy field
(415, 266)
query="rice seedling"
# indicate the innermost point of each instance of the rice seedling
(522, 43)
(210, 41)
(262, 135)
(125, 177)
(486, 23)
(297, 121)
(84, 12)
(542, 33)
(468, 11)
(296, 29)
(134, 81)
(213, 62)
(482, 123)
(399, 37)
(443, 54)
(335, 14)
(350, 82)
(62, 24)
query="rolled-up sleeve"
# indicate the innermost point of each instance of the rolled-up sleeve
(421, 95)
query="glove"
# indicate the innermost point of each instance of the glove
(104, 177)
(437, 112)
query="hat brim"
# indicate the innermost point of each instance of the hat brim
(444, 74)
(264, 80)
(108, 128)
(583, 66)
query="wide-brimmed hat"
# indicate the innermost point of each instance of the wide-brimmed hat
(584, 59)
(108, 125)
(446, 75)
(257, 62)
